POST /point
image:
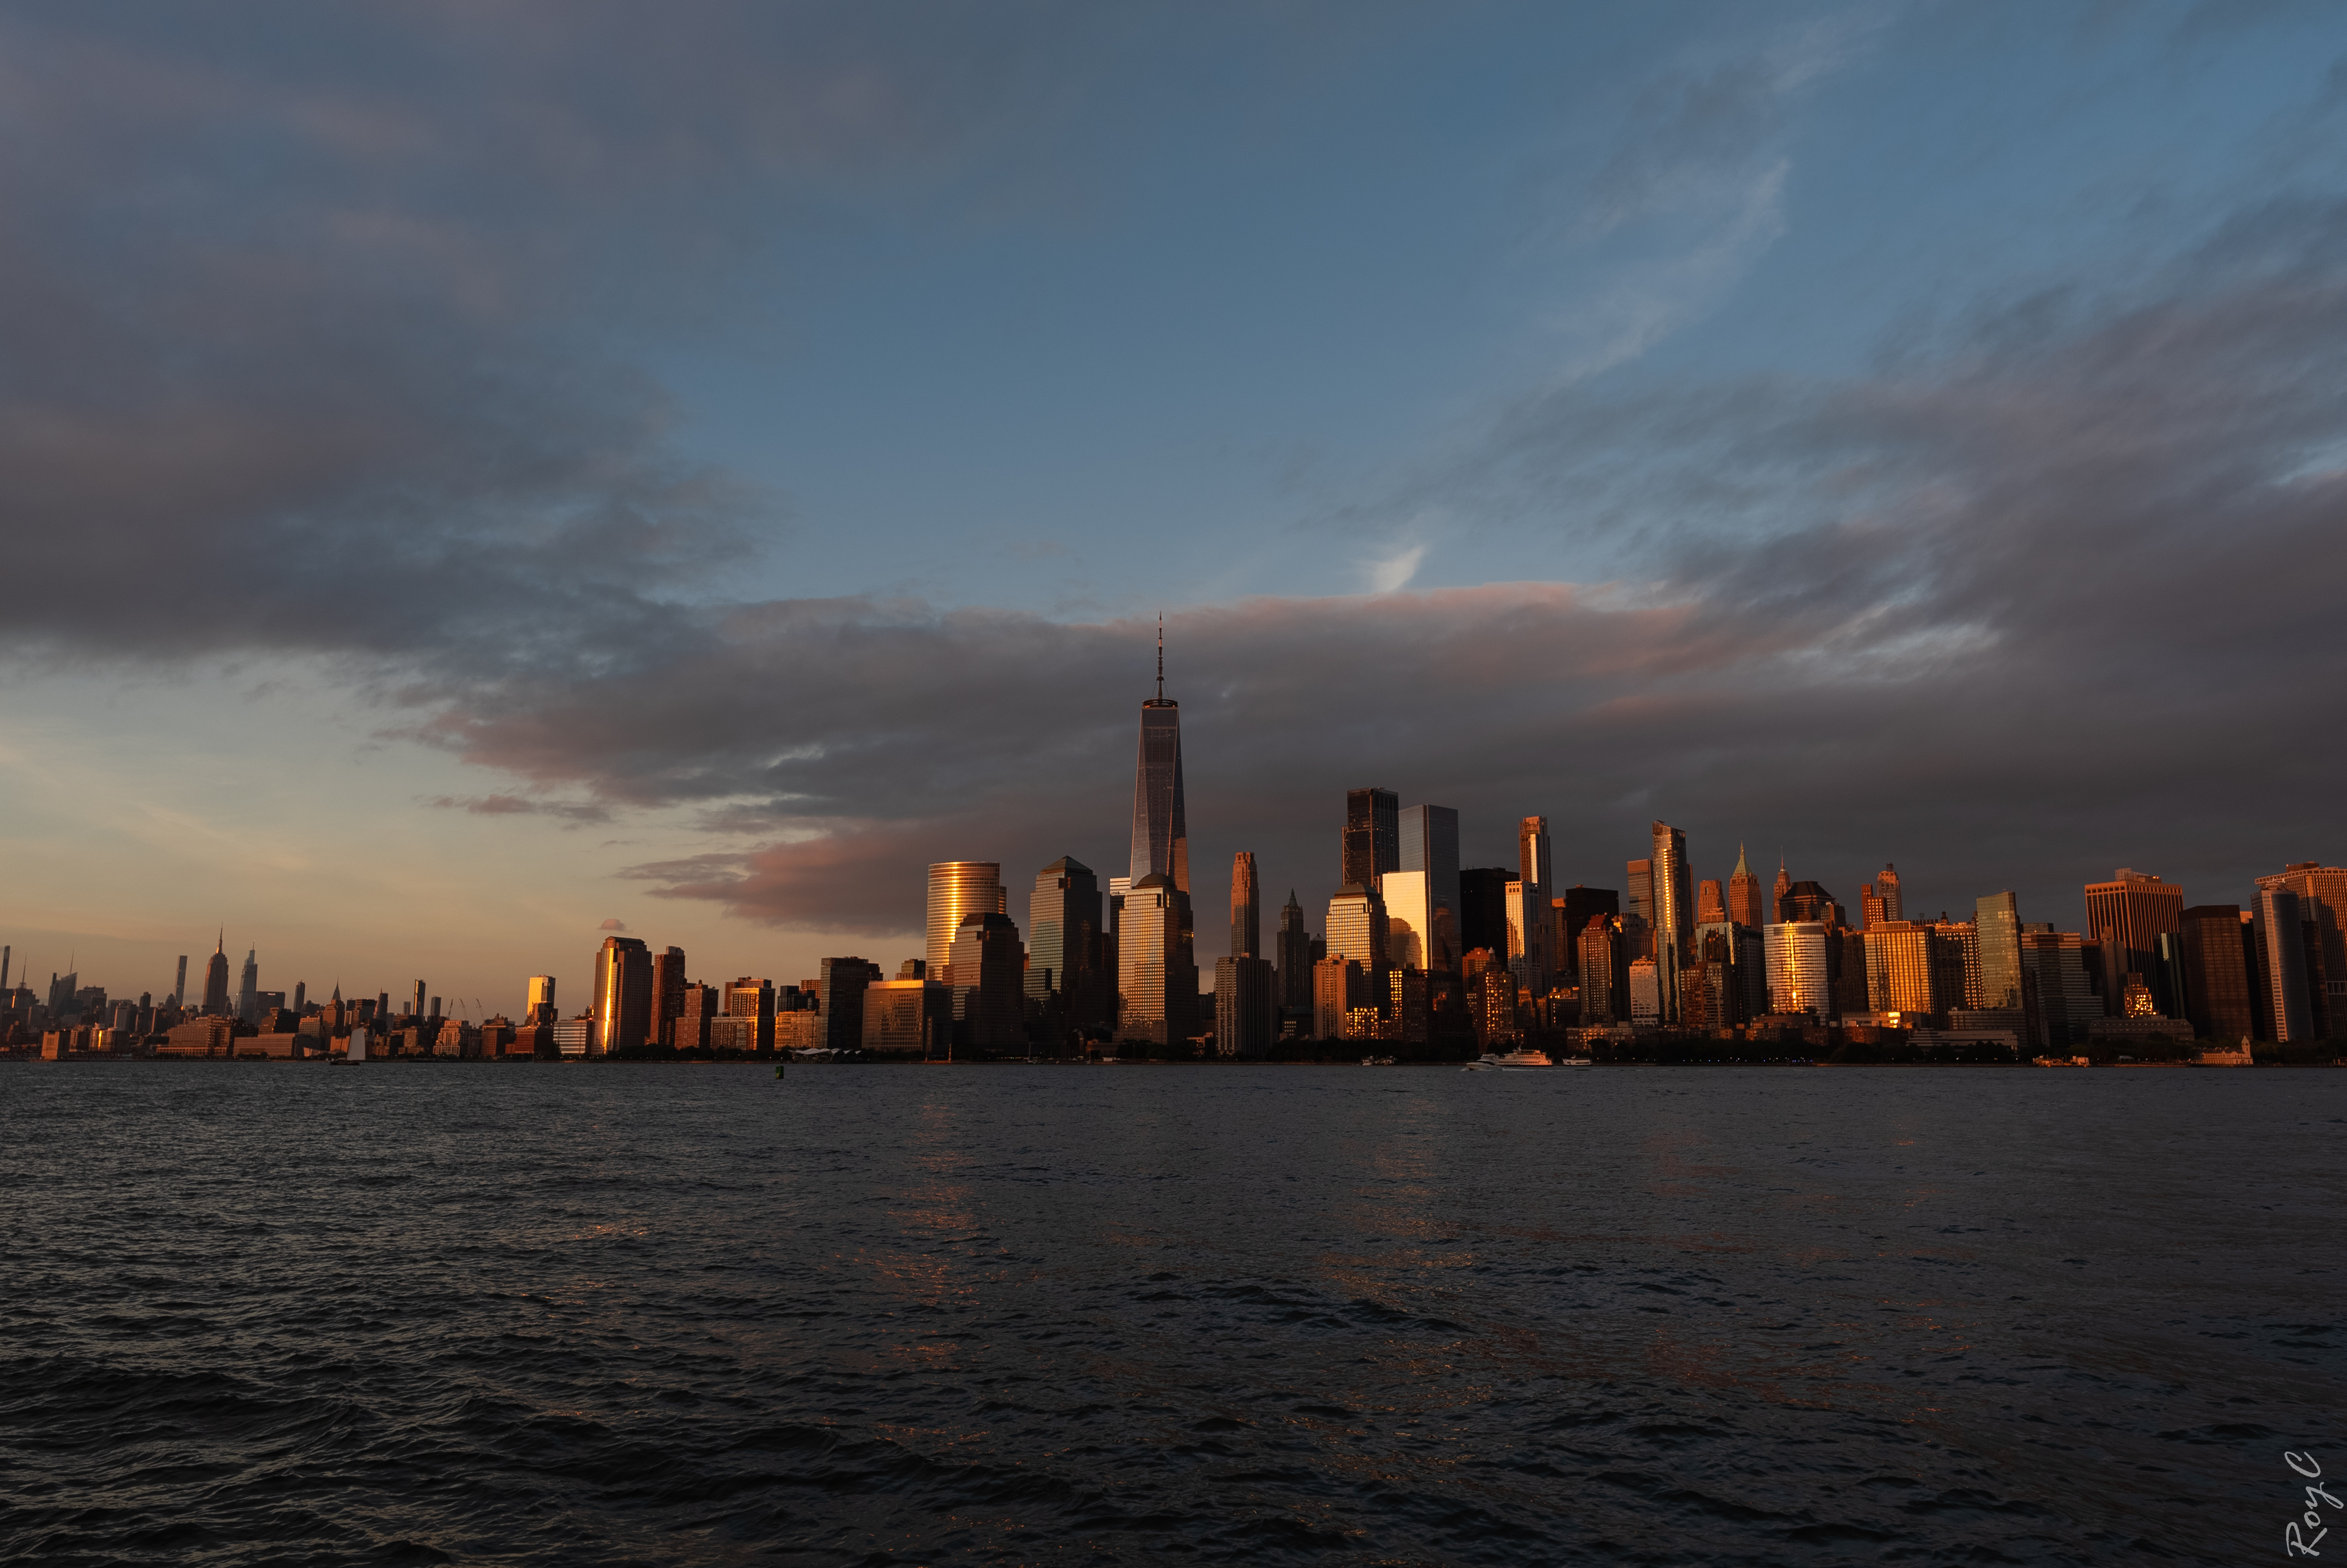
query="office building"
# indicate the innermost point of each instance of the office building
(1492, 1002)
(1604, 970)
(248, 988)
(1645, 995)
(750, 1000)
(1430, 843)
(1295, 955)
(985, 969)
(1244, 1010)
(1709, 995)
(1574, 907)
(1886, 889)
(2128, 915)
(180, 985)
(1483, 908)
(1802, 901)
(2054, 965)
(623, 995)
(1337, 988)
(1410, 921)
(1746, 955)
(839, 1000)
(1903, 972)
(1996, 921)
(1157, 979)
(1246, 935)
(1161, 824)
(540, 991)
(2322, 900)
(215, 982)
(1744, 894)
(701, 1022)
(1372, 841)
(912, 1015)
(1799, 977)
(668, 995)
(1673, 918)
(2216, 976)
(1869, 907)
(1357, 931)
(2280, 975)
(1710, 903)
(1639, 881)
(958, 889)
(1063, 930)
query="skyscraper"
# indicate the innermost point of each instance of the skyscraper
(1674, 912)
(1532, 853)
(1409, 920)
(1063, 929)
(839, 997)
(1798, 978)
(1372, 836)
(1710, 903)
(1357, 931)
(1161, 826)
(1157, 973)
(216, 980)
(1743, 894)
(1483, 910)
(1430, 843)
(668, 997)
(2281, 964)
(180, 986)
(1532, 914)
(2217, 974)
(1886, 888)
(623, 995)
(2322, 900)
(1574, 907)
(1997, 920)
(984, 968)
(1295, 955)
(958, 889)
(1243, 1011)
(541, 1005)
(2128, 914)
(1246, 934)
(247, 986)
(1784, 880)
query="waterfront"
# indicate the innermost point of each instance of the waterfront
(654, 1315)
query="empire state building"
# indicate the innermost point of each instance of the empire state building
(1157, 973)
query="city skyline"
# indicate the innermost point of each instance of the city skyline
(1709, 415)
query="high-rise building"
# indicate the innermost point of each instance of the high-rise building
(1157, 979)
(216, 980)
(2128, 915)
(1674, 912)
(1869, 907)
(2280, 975)
(2054, 963)
(1530, 914)
(1295, 955)
(912, 1015)
(180, 985)
(416, 1009)
(668, 996)
(540, 1006)
(1784, 882)
(1574, 907)
(623, 995)
(839, 998)
(1997, 925)
(1357, 931)
(1799, 978)
(1886, 888)
(1161, 826)
(1533, 864)
(1645, 995)
(1064, 928)
(1246, 934)
(1903, 973)
(2217, 981)
(1743, 894)
(1710, 903)
(1640, 881)
(1430, 843)
(958, 889)
(1806, 900)
(1372, 843)
(1483, 908)
(2322, 901)
(1410, 921)
(1604, 971)
(248, 988)
(985, 970)
(1244, 1009)
(1337, 986)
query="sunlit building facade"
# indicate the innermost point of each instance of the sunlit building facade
(958, 889)
(1799, 978)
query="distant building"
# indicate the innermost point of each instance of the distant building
(2281, 952)
(985, 973)
(623, 995)
(1646, 994)
(1430, 843)
(911, 1015)
(1068, 978)
(1483, 908)
(1410, 921)
(1903, 973)
(1638, 876)
(1157, 983)
(541, 1005)
(1244, 1008)
(1604, 971)
(1674, 917)
(1246, 929)
(2128, 915)
(1336, 986)
(2054, 963)
(1356, 930)
(2216, 980)
(668, 996)
(1296, 959)
(1710, 903)
(1574, 907)
(840, 1000)
(216, 983)
(2322, 904)
(958, 889)
(1798, 977)
(1372, 838)
(750, 1000)
(1744, 894)
(1997, 932)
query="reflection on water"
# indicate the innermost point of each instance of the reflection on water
(580, 1315)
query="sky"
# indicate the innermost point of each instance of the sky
(482, 476)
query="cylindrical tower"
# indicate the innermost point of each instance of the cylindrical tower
(959, 887)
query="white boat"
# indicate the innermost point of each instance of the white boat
(1513, 1062)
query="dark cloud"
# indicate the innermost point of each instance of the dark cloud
(515, 806)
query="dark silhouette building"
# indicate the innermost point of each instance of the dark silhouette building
(1246, 929)
(1372, 836)
(623, 995)
(668, 996)
(1483, 908)
(2217, 992)
(1295, 955)
(986, 976)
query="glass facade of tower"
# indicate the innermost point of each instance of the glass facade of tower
(1798, 977)
(1673, 911)
(1357, 929)
(1161, 828)
(2128, 915)
(1063, 923)
(1409, 920)
(1997, 919)
(1157, 976)
(1246, 918)
(1372, 843)
(1430, 843)
(958, 889)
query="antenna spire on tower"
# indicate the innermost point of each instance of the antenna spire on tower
(1161, 656)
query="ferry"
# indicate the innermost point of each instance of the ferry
(1513, 1062)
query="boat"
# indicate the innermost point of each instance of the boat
(1377, 1061)
(1513, 1062)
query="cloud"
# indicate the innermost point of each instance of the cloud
(613, 926)
(514, 805)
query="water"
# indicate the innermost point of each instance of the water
(280, 1314)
